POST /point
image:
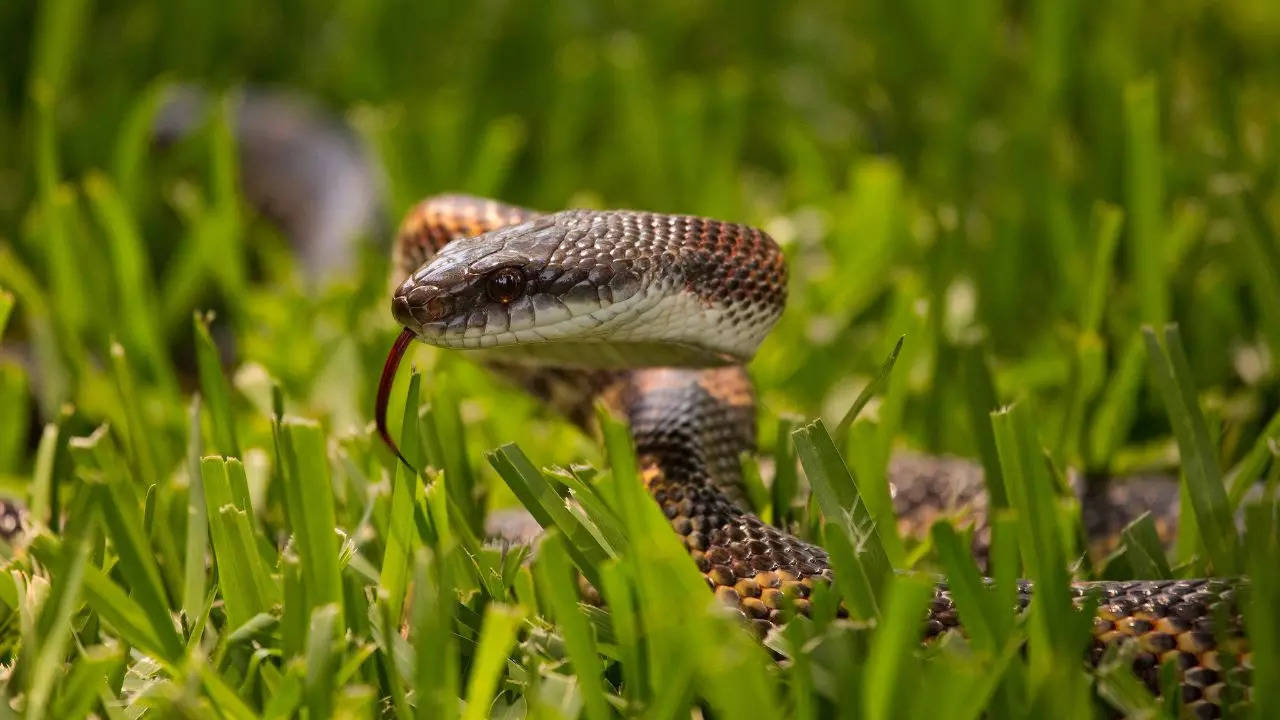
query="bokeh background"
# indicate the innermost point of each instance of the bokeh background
(1018, 183)
(197, 201)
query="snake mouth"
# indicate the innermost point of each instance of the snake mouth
(388, 377)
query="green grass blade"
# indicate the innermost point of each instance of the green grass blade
(293, 623)
(981, 400)
(106, 598)
(985, 622)
(141, 452)
(1259, 263)
(841, 503)
(436, 668)
(214, 386)
(868, 458)
(400, 530)
(621, 601)
(134, 143)
(1057, 629)
(240, 572)
(619, 448)
(860, 589)
(886, 680)
(831, 480)
(224, 697)
(395, 654)
(881, 377)
(51, 455)
(57, 42)
(600, 515)
(1144, 197)
(785, 477)
(548, 508)
(556, 581)
(265, 589)
(497, 635)
(1107, 221)
(39, 315)
(58, 610)
(753, 487)
(1248, 470)
(312, 518)
(1262, 554)
(1201, 472)
(1143, 549)
(197, 538)
(79, 691)
(139, 313)
(15, 410)
(119, 511)
(318, 687)
(452, 438)
(6, 308)
(1113, 418)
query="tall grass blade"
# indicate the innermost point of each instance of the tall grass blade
(61, 604)
(400, 530)
(87, 676)
(197, 538)
(6, 308)
(1056, 629)
(842, 505)
(1201, 472)
(311, 515)
(881, 377)
(1262, 557)
(436, 668)
(216, 391)
(1143, 549)
(245, 584)
(1144, 197)
(497, 635)
(318, 687)
(785, 477)
(120, 611)
(887, 678)
(556, 581)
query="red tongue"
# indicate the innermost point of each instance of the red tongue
(384, 392)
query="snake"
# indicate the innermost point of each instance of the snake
(655, 316)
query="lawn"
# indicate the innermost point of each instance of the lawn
(1070, 211)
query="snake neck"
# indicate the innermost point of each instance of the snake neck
(690, 426)
(690, 429)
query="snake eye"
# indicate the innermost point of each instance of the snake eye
(505, 285)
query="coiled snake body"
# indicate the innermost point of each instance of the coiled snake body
(655, 314)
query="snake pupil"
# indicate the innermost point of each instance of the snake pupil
(505, 285)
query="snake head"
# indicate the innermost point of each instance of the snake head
(596, 289)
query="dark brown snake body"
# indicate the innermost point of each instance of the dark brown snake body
(690, 424)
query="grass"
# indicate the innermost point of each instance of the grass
(1017, 190)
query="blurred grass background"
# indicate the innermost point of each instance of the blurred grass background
(1016, 187)
(955, 171)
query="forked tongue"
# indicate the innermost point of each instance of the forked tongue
(384, 393)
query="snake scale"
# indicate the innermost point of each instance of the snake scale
(654, 315)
